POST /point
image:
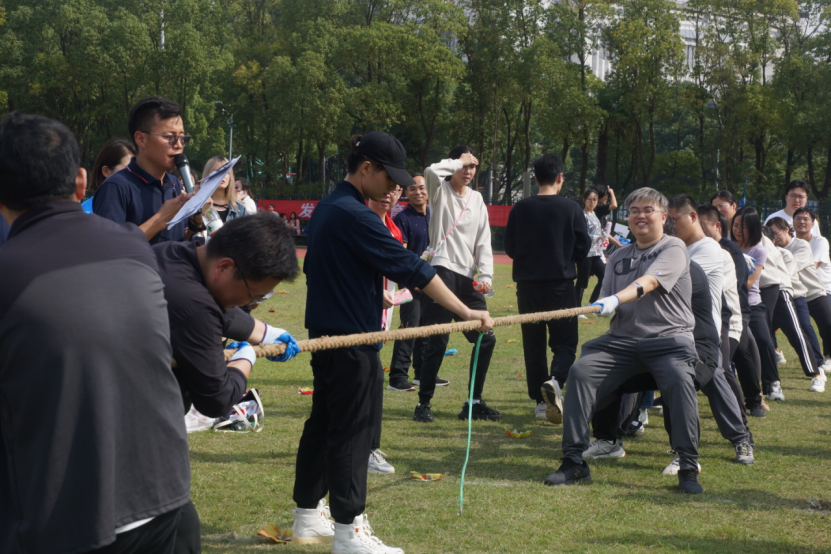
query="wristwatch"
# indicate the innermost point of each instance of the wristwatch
(640, 289)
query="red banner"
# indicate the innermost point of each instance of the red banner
(498, 215)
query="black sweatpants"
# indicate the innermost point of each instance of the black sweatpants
(403, 350)
(333, 454)
(533, 296)
(157, 536)
(745, 355)
(770, 297)
(436, 345)
(189, 531)
(767, 352)
(378, 409)
(820, 310)
(786, 316)
(732, 382)
(593, 265)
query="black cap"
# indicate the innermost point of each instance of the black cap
(389, 152)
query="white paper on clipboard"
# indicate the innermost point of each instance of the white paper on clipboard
(208, 187)
(621, 230)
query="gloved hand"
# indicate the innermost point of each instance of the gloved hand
(245, 352)
(751, 264)
(608, 305)
(274, 335)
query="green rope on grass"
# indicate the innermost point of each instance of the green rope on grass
(469, 421)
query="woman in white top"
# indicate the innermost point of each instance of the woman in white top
(593, 265)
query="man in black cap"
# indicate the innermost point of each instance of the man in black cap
(350, 251)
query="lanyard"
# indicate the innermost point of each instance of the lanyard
(469, 197)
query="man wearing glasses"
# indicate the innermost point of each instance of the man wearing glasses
(647, 288)
(796, 196)
(144, 193)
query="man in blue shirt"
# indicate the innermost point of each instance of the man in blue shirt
(414, 222)
(144, 193)
(350, 252)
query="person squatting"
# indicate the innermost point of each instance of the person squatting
(700, 290)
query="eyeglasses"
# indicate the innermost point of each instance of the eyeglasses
(797, 196)
(258, 299)
(674, 219)
(802, 219)
(647, 211)
(173, 139)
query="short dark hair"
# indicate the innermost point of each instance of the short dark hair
(246, 186)
(669, 227)
(768, 232)
(547, 168)
(724, 195)
(457, 151)
(39, 161)
(414, 175)
(711, 213)
(145, 112)
(753, 223)
(356, 158)
(588, 191)
(780, 223)
(805, 211)
(602, 190)
(260, 246)
(110, 156)
(798, 184)
(680, 201)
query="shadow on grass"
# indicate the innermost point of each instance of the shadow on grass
(697, 543)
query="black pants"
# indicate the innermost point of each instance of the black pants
(590, 266)
(820, 310)
(378, 408)
(726, 356)
(767, 352)
(745, 356)
(402, 350)
(189, 531)
(770, 297)
(436, 345)
(334, 449)
(157, 536)
(790, 316)
(562, 333)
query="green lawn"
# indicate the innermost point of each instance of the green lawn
(241, 482)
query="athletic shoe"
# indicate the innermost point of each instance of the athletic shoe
(643, 416)
(357, 538)
(554, 401)
(601, 448)
(780, 358)
(377, 463)
(439, 382)
(570, 473)
(417, 382)
(688, 482)
(312, 526)
(826, 365)
(757, 411)
(817, 384)
(403, 386)
(776, 391)
(635, 429)
(581, 316)
(539, 411)
(481, 411)
(744, 453)
(675, 465)
(423, 413)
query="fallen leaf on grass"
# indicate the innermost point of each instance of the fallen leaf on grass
(516, 434)
(281, 292)
(509, 286)
(305, 390)
(416, 476)
(510, 341)
(272, 310)
(588, 323)
(386, 368)
(275, 535)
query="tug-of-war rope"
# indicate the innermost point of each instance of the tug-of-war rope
(361, 339)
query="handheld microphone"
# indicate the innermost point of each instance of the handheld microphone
(183, 165)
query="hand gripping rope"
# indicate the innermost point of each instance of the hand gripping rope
(344, 341)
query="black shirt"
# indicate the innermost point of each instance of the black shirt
(546, 235)
(349, 253)
(707, 337)
(133, 196)
(414, 227)
(91, 429)
(197, 324)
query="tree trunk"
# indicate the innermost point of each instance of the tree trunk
(789, 164)
(584, 166)
(298, 178)
(566, 146)
(602, 154)
(527, 160)
(494, 149)
(321, 161)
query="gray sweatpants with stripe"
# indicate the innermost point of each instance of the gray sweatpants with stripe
(607, 362)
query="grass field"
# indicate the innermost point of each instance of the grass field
(241, 482)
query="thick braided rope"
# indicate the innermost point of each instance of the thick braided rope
(343, 341)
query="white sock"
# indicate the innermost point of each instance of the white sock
(477, 401)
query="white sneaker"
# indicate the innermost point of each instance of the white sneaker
(554, 401)
(581, 316)
(643, 416)
(776, 391)
(539, 411)
(377, 463)
(357, 539)
(312, 526)
(604, 449)
(675, 465)
(780, 358)
(817, 384)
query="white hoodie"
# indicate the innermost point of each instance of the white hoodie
(469, 245)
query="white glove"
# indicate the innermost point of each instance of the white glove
(271, 334)
(608, 305)
(245, 352)
(751, 264)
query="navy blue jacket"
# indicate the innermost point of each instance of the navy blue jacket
(133, 196)
(349, 252)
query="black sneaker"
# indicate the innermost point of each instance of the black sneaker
(757, 411)
(744, 453)
(423, 413)
(481, 411)
(441, 382)
(402, 386)
(570, 473)
(688, 481)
